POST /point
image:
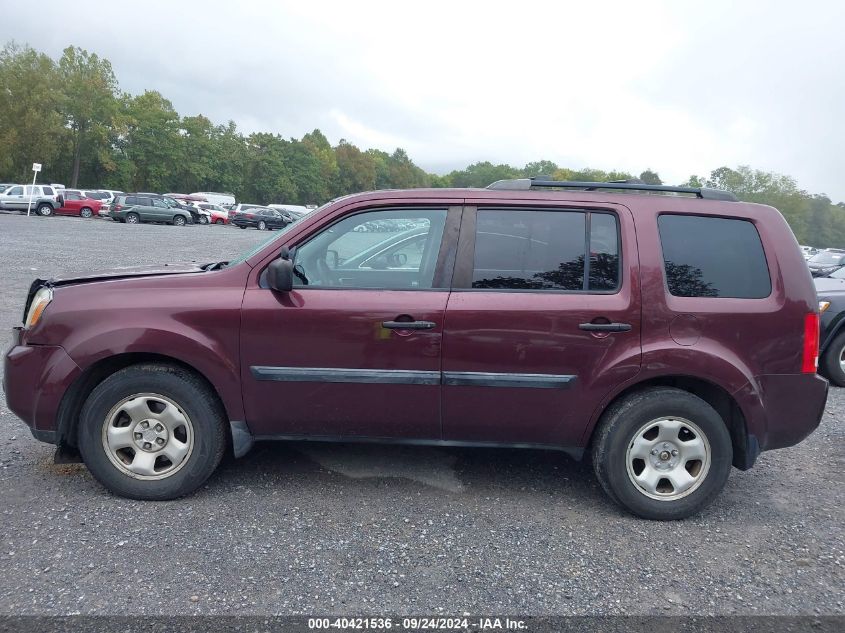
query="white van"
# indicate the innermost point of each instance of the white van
(216, 198)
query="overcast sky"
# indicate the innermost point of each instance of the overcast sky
(680, 87)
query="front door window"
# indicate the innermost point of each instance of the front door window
(395, 249)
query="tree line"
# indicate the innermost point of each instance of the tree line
(70, 115)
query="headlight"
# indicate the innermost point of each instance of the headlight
(40, 301)
(823, 305)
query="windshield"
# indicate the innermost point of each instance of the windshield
(280, 234)
(839, 274)
(826, 257)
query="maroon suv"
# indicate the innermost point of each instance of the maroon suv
(669, 332)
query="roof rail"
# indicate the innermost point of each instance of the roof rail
(625, 185)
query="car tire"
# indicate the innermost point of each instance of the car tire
(192, 423)
(45, 210)
(242, 226)
(218, 222)
(262, 225)
(179, 221)
(85, 212)
(662, 453)
(832, 361)
(203, 220)
(132, 218)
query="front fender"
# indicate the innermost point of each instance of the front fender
(206, 355)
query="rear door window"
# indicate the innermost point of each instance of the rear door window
(713, 257)
(546, 250)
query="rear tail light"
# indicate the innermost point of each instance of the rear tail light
(810, 361)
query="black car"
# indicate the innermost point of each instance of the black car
(262, 219)
(831, 294)
(826, 262)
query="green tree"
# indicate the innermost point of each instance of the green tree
(482, 174)
(153, 142)
(650, 177)
(31, 129)
(539, 168)
(356, 169)
(88, 102)
(268, 180)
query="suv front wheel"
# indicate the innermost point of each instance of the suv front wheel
(662, 453)
(152, 432)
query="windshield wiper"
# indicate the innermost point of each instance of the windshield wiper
(214, 266)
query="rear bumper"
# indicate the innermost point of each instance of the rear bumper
(782, 409)
(35, 379)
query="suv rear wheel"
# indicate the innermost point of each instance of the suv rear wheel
(151, 432)
(45, 209)
(662, 453)
(132, 218)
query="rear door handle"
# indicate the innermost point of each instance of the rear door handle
(605, 327)
(408, 325)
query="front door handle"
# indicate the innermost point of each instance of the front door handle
(408, 325)
(605, 327)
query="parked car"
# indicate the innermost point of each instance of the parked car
(296, 211)
(532, 314)
(826, 262)
(44, 199)
(134, 209)
(197, 216)
(808, 251)
(77, 204)
(241, 207)
(219, 215)
(261, 219)
(831, 294)
(216, 198)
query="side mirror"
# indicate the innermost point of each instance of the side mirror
(280, 275)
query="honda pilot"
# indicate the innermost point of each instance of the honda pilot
(667, 333)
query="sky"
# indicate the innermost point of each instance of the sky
(679, 87)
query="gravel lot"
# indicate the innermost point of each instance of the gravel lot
(316, 529)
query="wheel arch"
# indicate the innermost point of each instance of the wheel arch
(70, 407)
(744, 453)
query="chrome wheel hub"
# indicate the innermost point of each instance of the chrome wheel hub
(668, 458)
(148, 436)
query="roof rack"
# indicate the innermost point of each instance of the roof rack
(623, 185)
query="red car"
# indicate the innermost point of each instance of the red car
(219, 215)
(667, 336)
(75, 204)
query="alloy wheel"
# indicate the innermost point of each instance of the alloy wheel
(148, 436)
(668, 458)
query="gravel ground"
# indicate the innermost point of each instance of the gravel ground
(315, 529)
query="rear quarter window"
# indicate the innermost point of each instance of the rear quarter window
(713, 257)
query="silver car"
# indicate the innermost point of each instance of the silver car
(42, 199)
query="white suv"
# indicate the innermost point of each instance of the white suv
(45, 199)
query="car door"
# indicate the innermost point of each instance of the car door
(14, 198)
(275, 219)
(543, 321)
(159, 211)
(351, 352)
